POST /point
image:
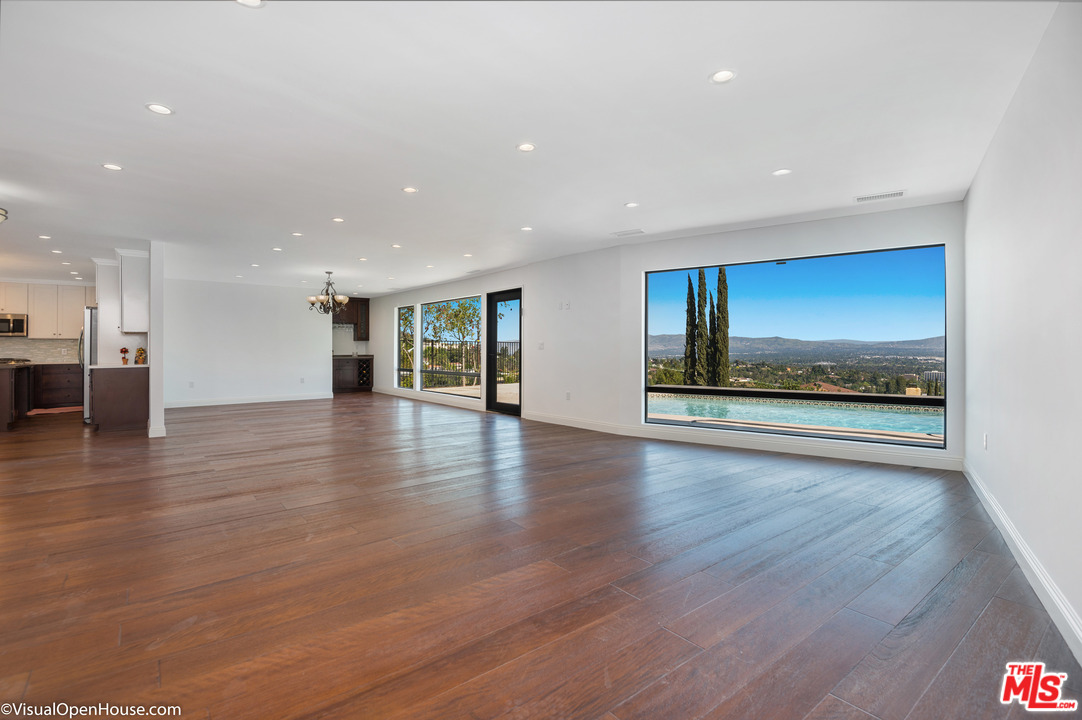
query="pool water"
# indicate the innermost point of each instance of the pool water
(893, 418)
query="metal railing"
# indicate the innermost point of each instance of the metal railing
(508, 361)
(765, 393)
(450, 364)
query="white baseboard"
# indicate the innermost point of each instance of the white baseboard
(156, 431)
(1063, 614)
(819, 447)
(204, 402)
(465, 403)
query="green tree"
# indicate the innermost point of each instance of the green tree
(690, 355)
(446, 324)
(713, 351)
(405, 347)
(722, 332)
(702, 342)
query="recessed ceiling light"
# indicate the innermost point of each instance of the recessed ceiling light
(781, 171)
(255, 265)
(74, 273)
(467, 255)
(722, 76)
(337, 220)
(396, 246)
(58, 252)
(238, 276)
(251, 3)
(409, 189)
(363, 259)
(159, 109)
(298, 234)
(429, 266)
(78, 278)
(45, 237)
(631, 204)
(527, 147)
(526, 229)
(277, 249)
(110, 166)
(390, 278)
(65, 263)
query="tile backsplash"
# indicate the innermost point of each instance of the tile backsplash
(40, 351)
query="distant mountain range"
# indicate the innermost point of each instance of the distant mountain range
(778, 348)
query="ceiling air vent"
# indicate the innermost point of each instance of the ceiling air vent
(629, 233)
(880, 196)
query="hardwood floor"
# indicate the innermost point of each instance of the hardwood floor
(374, 557)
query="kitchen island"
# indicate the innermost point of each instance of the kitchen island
(16, 392)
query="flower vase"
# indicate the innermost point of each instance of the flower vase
(123, 361)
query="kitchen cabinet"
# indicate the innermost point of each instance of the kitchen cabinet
(56, 311)
(134, 291)
(13, 298)
(352, 374)
(120, 397)
(360, 318)
(16, 394)
(355, 313)
(58, 385)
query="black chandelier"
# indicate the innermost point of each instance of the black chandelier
(328, 302)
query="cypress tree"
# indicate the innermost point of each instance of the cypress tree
(714, 352)
(702, 341)
(689, 338)
(723, 329)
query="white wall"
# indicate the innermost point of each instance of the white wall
(1023, 297)
(587, 312)
(229, 343)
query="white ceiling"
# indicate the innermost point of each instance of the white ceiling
(300, 111)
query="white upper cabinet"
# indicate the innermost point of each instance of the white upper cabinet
(56, 311)
(134, 291)
(44, 304)
(13, 298)
(69, 318)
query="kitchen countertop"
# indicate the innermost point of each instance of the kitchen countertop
(118, 366)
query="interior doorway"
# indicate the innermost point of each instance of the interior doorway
(503, 347)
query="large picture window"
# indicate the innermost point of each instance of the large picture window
(844, 346)
(451, 347)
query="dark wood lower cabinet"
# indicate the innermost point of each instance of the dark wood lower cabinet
(16, 394)
(352, 374)
(120, 398)
(59, 385)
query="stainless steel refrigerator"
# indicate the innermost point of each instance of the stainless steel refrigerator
(88, 353)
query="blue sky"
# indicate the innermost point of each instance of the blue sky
(889, 295)
(507, 327)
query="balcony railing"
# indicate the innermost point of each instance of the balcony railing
(449, 364)
(764, 393)
(508, 361)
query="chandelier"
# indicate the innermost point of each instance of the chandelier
(328, 302)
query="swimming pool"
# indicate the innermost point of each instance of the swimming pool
(829, 414)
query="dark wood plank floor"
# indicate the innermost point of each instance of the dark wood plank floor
(373, 557)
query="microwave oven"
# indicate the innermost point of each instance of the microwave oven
(12, 325)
